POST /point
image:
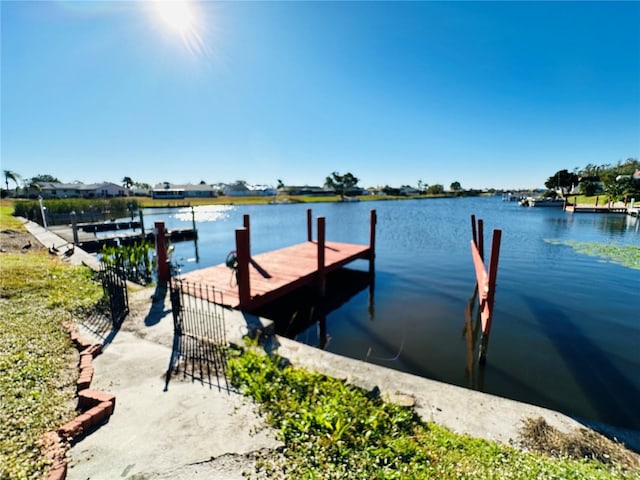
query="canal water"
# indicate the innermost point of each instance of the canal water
(566, 327)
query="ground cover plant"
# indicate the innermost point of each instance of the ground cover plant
(38, 365)
(333, 430)
(626, 255)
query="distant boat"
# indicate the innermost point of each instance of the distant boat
(541, 202)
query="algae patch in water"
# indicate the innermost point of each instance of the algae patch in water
(626, 255)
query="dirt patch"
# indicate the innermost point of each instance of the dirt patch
(539, 436)
(13, 241)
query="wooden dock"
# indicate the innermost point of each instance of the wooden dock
(248, 282)
(594, 209)
(92, 243)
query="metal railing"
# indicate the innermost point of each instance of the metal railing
(114, 286)
(199, 332)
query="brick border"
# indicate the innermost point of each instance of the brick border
(96, 408)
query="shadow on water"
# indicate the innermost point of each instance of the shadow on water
(610, 393)
(296, 312)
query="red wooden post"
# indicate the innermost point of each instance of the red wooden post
(321, 242)
(486, 288)
(246, 222)
(372, 240)
(474, 233)
(309, 226)
(481, 238)
(161, 253)
(242, 256)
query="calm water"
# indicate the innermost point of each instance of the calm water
(566, 330)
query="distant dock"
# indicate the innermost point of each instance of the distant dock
(248, 282)
(598, 209)
(124, 233)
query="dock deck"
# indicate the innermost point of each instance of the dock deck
(254, 281)
(278, 272)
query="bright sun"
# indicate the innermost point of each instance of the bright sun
(182, 18)
(177, 15)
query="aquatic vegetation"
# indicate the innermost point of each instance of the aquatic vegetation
(626, 255)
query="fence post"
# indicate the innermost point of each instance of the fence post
(161, 252)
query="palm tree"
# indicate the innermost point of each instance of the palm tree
(9, 175)
(127, 182)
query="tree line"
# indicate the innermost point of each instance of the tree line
(617, 181)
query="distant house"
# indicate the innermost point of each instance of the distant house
(240, 189)
(77, 190)
(168, 190)
(635, 176)
(307, 190)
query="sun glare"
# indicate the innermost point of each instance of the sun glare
(177, 15)
(181, 18)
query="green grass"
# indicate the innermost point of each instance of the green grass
(7, 220)
(334, 430)
(37, 366)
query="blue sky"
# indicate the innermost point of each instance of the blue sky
(488, 94)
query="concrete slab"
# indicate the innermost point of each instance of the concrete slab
(189, 427)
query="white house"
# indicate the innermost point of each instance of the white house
(76, 190)
(240, 189)
(172, 191)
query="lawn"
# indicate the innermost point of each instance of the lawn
(38, 365)
(332, 430)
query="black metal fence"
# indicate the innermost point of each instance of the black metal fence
(199, 333)
(114, 286)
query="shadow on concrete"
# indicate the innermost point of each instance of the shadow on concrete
(199, 338)
(199, 361)
(100, 325)
(157, 311)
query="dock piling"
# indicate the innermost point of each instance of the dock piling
(242, 256)
(161, 252)
(309, 226)
(246, 222)
(486, 282)
(74, 227)
(322, 281)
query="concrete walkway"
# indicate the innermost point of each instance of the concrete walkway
(195, 427)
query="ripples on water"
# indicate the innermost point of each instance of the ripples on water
(566, 330)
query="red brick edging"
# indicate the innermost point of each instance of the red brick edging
(96, 406)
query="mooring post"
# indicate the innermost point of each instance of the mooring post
(246, 222)
(142, 232)
(309, 226)
(193, 222)
(481, 238)
(161, 253)
(321, 241)
(487, 308)
(373, 220)
(242, 256)
(74, 227)
(474, 233)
